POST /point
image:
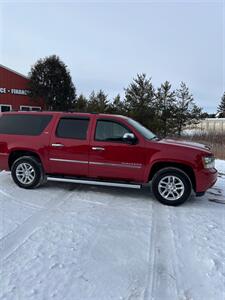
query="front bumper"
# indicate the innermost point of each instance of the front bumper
(205, 179)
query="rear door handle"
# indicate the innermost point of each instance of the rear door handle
(57, 145)
(98, 148)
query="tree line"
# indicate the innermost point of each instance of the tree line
(163, 110)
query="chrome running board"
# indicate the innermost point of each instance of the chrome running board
(93, 182)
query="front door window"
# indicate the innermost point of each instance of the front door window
(110, 131)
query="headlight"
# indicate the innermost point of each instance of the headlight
(208, 162)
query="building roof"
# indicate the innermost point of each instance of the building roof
(10, 70)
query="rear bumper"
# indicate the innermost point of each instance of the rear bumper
(205, 179)
(4, 161)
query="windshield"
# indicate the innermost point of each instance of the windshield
(142, 130)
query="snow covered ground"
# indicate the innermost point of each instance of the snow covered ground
(77, 242)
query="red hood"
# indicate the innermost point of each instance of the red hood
(186, 144)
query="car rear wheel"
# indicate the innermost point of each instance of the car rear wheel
(27, 172)
(171, 186)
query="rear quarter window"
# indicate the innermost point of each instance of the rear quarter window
(23, 124)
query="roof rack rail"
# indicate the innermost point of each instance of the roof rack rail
(80, 112)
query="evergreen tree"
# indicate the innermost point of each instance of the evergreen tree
(98, 103)
(165, 109)
(117, 106)
(81, 104)
(205, 115)
(187, 112)
(50, 80)
(139, 100)
(221, 107)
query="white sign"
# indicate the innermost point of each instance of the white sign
(4, 90)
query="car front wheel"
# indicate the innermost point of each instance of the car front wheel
(171, 186)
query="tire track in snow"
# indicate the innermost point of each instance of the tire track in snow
(151, 258)
(162, 275)
(6, 194)
(15, 239)
(21, 202)
(181, 293)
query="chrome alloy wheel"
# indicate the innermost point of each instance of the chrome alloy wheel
(25, 173)
(171, 188)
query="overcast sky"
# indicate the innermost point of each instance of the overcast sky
(106, 43)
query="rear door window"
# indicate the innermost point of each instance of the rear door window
(23, 124)
(73, 128)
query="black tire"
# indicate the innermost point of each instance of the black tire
(179, 188)
(37, 172)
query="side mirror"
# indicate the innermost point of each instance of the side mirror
(129, 138)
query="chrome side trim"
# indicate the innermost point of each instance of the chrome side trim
(102, 183)
(69, 160)
(123, 165)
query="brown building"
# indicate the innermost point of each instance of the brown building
(14, 93)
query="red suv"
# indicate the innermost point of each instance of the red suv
(101, 149)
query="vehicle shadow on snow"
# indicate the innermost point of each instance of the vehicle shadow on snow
(144, 194)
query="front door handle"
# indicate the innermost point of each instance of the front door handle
(57, 145)
(98, 148)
